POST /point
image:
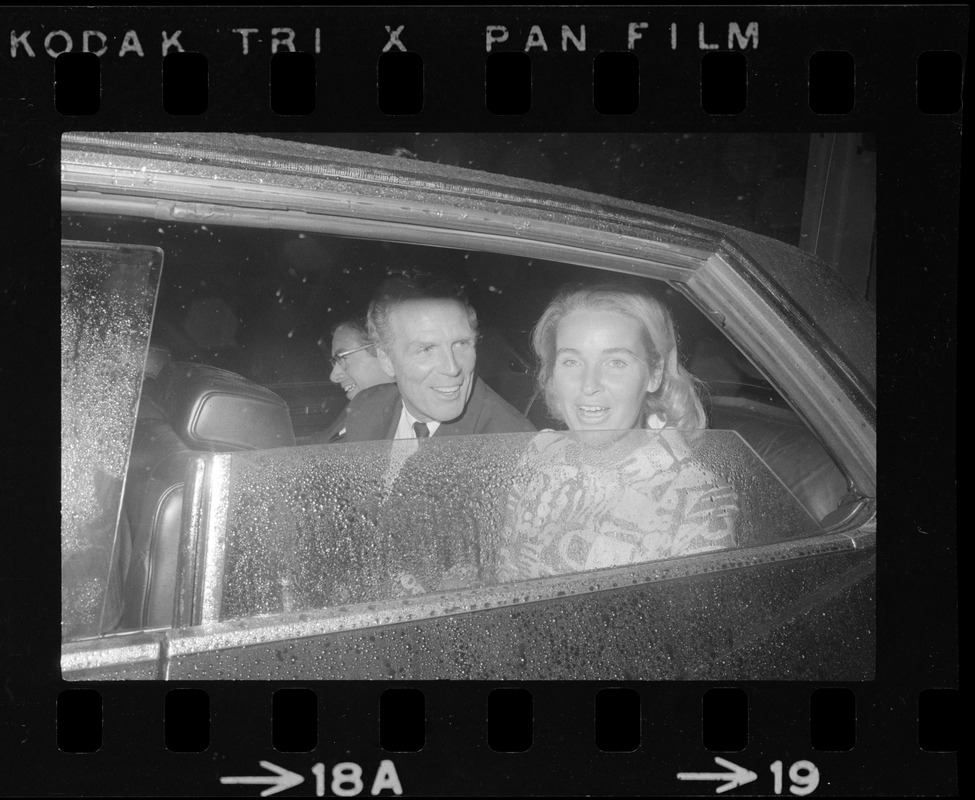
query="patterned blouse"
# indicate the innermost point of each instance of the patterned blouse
(580, 505)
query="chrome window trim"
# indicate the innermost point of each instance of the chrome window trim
(815, 392)
(425, 224)
(217, 502)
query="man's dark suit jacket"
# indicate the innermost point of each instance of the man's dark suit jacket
(374, 414)
(336, 431)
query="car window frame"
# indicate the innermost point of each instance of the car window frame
(711, 276)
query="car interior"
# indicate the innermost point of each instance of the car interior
(238, 361)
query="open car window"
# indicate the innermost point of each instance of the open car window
(262, 303)
(242, 332)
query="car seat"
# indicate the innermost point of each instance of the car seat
(190, 409)
(789, 450)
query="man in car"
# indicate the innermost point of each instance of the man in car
(425, 339)
(355, 367)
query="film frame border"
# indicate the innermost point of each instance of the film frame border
(913, 148)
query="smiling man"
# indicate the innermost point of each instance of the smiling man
(426, 341)
(354, 367)
(354, 363)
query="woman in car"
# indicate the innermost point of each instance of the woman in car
(622, 486)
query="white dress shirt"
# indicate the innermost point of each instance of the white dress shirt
(399, 453)
(405, 428)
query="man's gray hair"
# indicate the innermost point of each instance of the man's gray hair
(403, 289)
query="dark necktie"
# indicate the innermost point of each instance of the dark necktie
(421, 430)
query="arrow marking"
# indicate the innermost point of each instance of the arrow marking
(284, 779)
(738, 776)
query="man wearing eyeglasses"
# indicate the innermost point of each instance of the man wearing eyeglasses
(426, 340)
(354, 367)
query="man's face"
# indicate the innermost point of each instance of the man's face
(357, 371)
(431, 357)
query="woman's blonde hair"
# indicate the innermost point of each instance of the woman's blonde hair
(676, 400)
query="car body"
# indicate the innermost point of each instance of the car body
(796, 601)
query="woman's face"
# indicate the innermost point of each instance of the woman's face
(601, 375)
(356, 371)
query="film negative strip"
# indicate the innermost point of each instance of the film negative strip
(481, 401)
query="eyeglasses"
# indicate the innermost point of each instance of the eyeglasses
(338, 360)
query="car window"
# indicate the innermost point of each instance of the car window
(262, 303)
(329, 526)
(246, 314)
(232, 358)
(107, 297)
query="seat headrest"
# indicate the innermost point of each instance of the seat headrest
(216, 410)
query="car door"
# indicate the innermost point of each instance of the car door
(795, 601)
